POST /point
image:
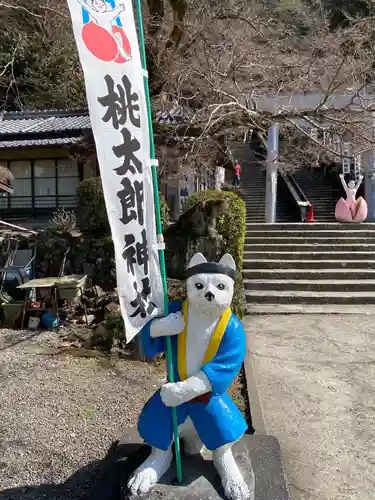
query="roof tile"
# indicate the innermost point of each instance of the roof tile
(40, 125)
(61, 141)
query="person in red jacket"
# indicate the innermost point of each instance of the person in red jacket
(237, 175)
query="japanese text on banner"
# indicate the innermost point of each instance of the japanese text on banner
(108, 47)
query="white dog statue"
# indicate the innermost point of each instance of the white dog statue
(209, 344)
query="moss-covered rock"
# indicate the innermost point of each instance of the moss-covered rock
(231, 226)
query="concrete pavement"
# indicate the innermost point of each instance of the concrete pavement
(315, 380)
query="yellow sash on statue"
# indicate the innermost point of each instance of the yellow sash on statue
(213, 346)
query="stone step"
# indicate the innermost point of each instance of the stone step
(326, 207)
(258, 180)
(324, 193)
(325, 219)
(296, 220)
(309, 297)
(325, 233)
(312, 255)
(321, 190)
(258, 196)
(306, 240)
(341, 309)
(324, 197)
(251, 201)
(258, 190)
(333, 265)
(307, 248)
(328, 285)
(314, 227)
(309, 274)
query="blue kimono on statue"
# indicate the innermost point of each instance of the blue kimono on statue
(215, 416)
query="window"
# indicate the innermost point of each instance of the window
(44, 183)
(3, 197)
(346, 165)
(67, 181)
(3, 200)
(22, 195)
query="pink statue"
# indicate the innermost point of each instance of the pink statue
(351, 210)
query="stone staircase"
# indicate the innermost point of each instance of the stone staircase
(321, 191)
(253, 183)
(253, 187)
(290, 268)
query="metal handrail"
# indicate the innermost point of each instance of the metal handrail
(296, 192)
(298, 188)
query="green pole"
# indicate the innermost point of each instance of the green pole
(159, 231)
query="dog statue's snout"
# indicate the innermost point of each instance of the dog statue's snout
(209, 296)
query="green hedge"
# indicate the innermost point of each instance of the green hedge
(231, 225)
(164, 211)
(91, 211)
(92, 215)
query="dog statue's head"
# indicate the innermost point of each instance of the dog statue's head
(210, 285)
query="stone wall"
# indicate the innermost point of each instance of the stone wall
(72, 253)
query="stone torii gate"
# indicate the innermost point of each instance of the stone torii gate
(309, 102)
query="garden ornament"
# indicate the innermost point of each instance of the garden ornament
(351, 210)
(209, 344)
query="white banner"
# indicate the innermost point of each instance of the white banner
(107, 42)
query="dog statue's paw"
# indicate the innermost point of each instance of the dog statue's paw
(173, 324)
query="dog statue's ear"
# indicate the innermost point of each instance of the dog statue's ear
(228, 261)
(198, 258)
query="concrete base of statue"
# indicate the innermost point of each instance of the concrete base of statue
(200, 478)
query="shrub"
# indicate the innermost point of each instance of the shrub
(114, 325)
(231, 225)
(164, 211)
(91, 210)
(64, 220)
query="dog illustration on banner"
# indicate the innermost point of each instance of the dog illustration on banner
(102, 34)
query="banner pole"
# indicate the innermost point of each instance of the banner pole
(159, 231)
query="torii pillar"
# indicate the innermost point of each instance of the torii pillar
(271, 173)
(370, 185)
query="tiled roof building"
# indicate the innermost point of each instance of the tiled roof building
(43, 128)
(36, 146)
